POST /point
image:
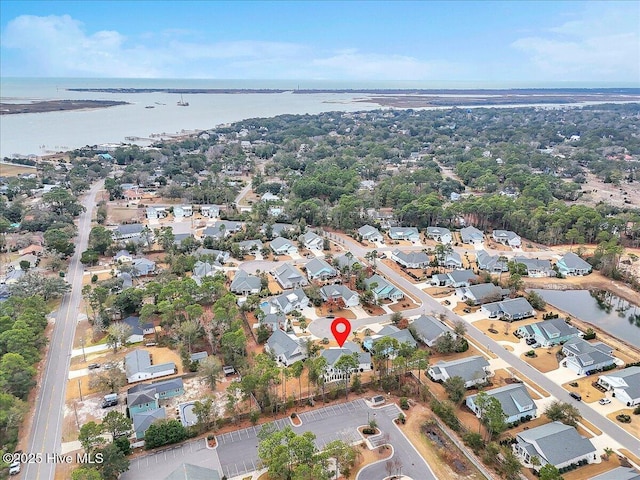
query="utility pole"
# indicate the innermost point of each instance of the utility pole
(84, 357)
(75, 410)
(80, 389)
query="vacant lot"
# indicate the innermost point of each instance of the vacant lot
(545, 359)
(12, 170)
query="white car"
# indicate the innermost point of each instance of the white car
(604, 401)
(14, 468)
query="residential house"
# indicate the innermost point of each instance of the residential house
(547, 333)
(536, 267)
(491, 263)
(187, 471)
(270, 197)
(213, 255)
(332, 355)
(286, 302)
(132, 194)
(32, 249)
(619, 473)
(250, 246)
(245, 284)
(283, 246)
(142, 421)
(481, 293)
(181, 211)
(206, 269)
(274, 321)
(410, 259)
(156, 212)
(370, 234)
(138, 367)
(341, 294)
(146, 396)
(457, 278)
(318, 269)
(404, 233)
(584, 358)
(197, 357)
(440, 234)
(287, 349)
(429, 329)
(311, 241)
(277, 229)
(289, 276)
(178, 238)
(510, 309)
(123, 256)
(128, 231)
(210, 211)
(625, 385)
(507, 237)
(382, 289)
(345, 261)
(138, 329)
(473, 370)
(553, 443)
(402, 336)
(143, 266)
(452, 260)
(471, 235)
(515, 400)
(221, 229)
(572, 264)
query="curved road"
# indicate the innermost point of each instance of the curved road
(46, 429)
(431, 305)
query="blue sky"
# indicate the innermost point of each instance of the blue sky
(517, 42)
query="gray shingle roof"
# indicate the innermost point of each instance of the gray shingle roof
(129, 229)
(571, 260)
(141, 421)
(429, 328)
(136, 362)
(556, 442)
(468, 367)
(315, 266)
(513, 398)
(136, 328)
(243, 281)
(280, 242)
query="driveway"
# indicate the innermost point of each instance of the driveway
(236, 453)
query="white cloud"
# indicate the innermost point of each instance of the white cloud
(600, 45)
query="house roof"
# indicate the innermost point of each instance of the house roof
(288, 272)
(203, 269)
(368, 231)
(197, 356)
(141, 421)
(556, 442)
(309, 237)
(620, 473)
(467, 367)
(136, 362)
(250, 244)
(337, 291)
(281, 242)
(344, 260)
(136, 328)
(458, 276)
(245, 281)
(573, 261)
(412, 257)
(402, 336)
(511, 306)
(129, 229)
(470, 233)
(553, 327)
(288, 297)
(440, 231)
(331, 355)
(282, 344)
(513, 398)
(508, 234)
(404, 231)
(534, 263)
(383, 287)
(316, 266)
(429, 328)
(484, 291)
(453, 257)
(631, 377)
(146, 392)
(490, 262)
(186, 471)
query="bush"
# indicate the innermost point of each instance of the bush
(293, 415)
(254, 417)
(94, 278)
(368, 431)
(473, 440)
(636, 411)
(401, 418)
(404, 403)
(622, 418)
(531, 353)
(589, 334)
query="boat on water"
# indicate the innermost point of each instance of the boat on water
(182, 103)
(150, 106)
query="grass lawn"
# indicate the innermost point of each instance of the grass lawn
(545, 359)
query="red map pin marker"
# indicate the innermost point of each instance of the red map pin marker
(341, 328)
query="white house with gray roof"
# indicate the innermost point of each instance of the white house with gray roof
(332, 355)
(142, 421)
(473, 370)
(404, 233)
(382, 289)
(439, 234)
(248, 246)
(515, 401)
(554, 331)
(244, 283)
(572, 264)
(536, 267)
(391, 331)
(625, 385)
(283, 246)
(491, 263)
(286, 349)
(128, 231)
(507, 237)
(206, 269)
(138, 367)
(554, 443)
(311, 241)
(143, 266)
(457, 278)
(452, 260)
(410, 259)
(583, 357)
(289, 276)
(345, 260)
(481, 293)
(471, 235)
(287, 302)
(510, 309)
(340, 293)
(318, 269)
(370, 234)
(429, 329)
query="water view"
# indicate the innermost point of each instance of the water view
(609, 312)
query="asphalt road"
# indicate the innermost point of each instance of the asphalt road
(46, 430)
(236, 453)
(431, 305)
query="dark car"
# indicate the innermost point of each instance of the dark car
(93, 366)
(575, 395)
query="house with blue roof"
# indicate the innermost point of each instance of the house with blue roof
(572, 264)
(404, 233)
(383, 289)
(547, 333)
